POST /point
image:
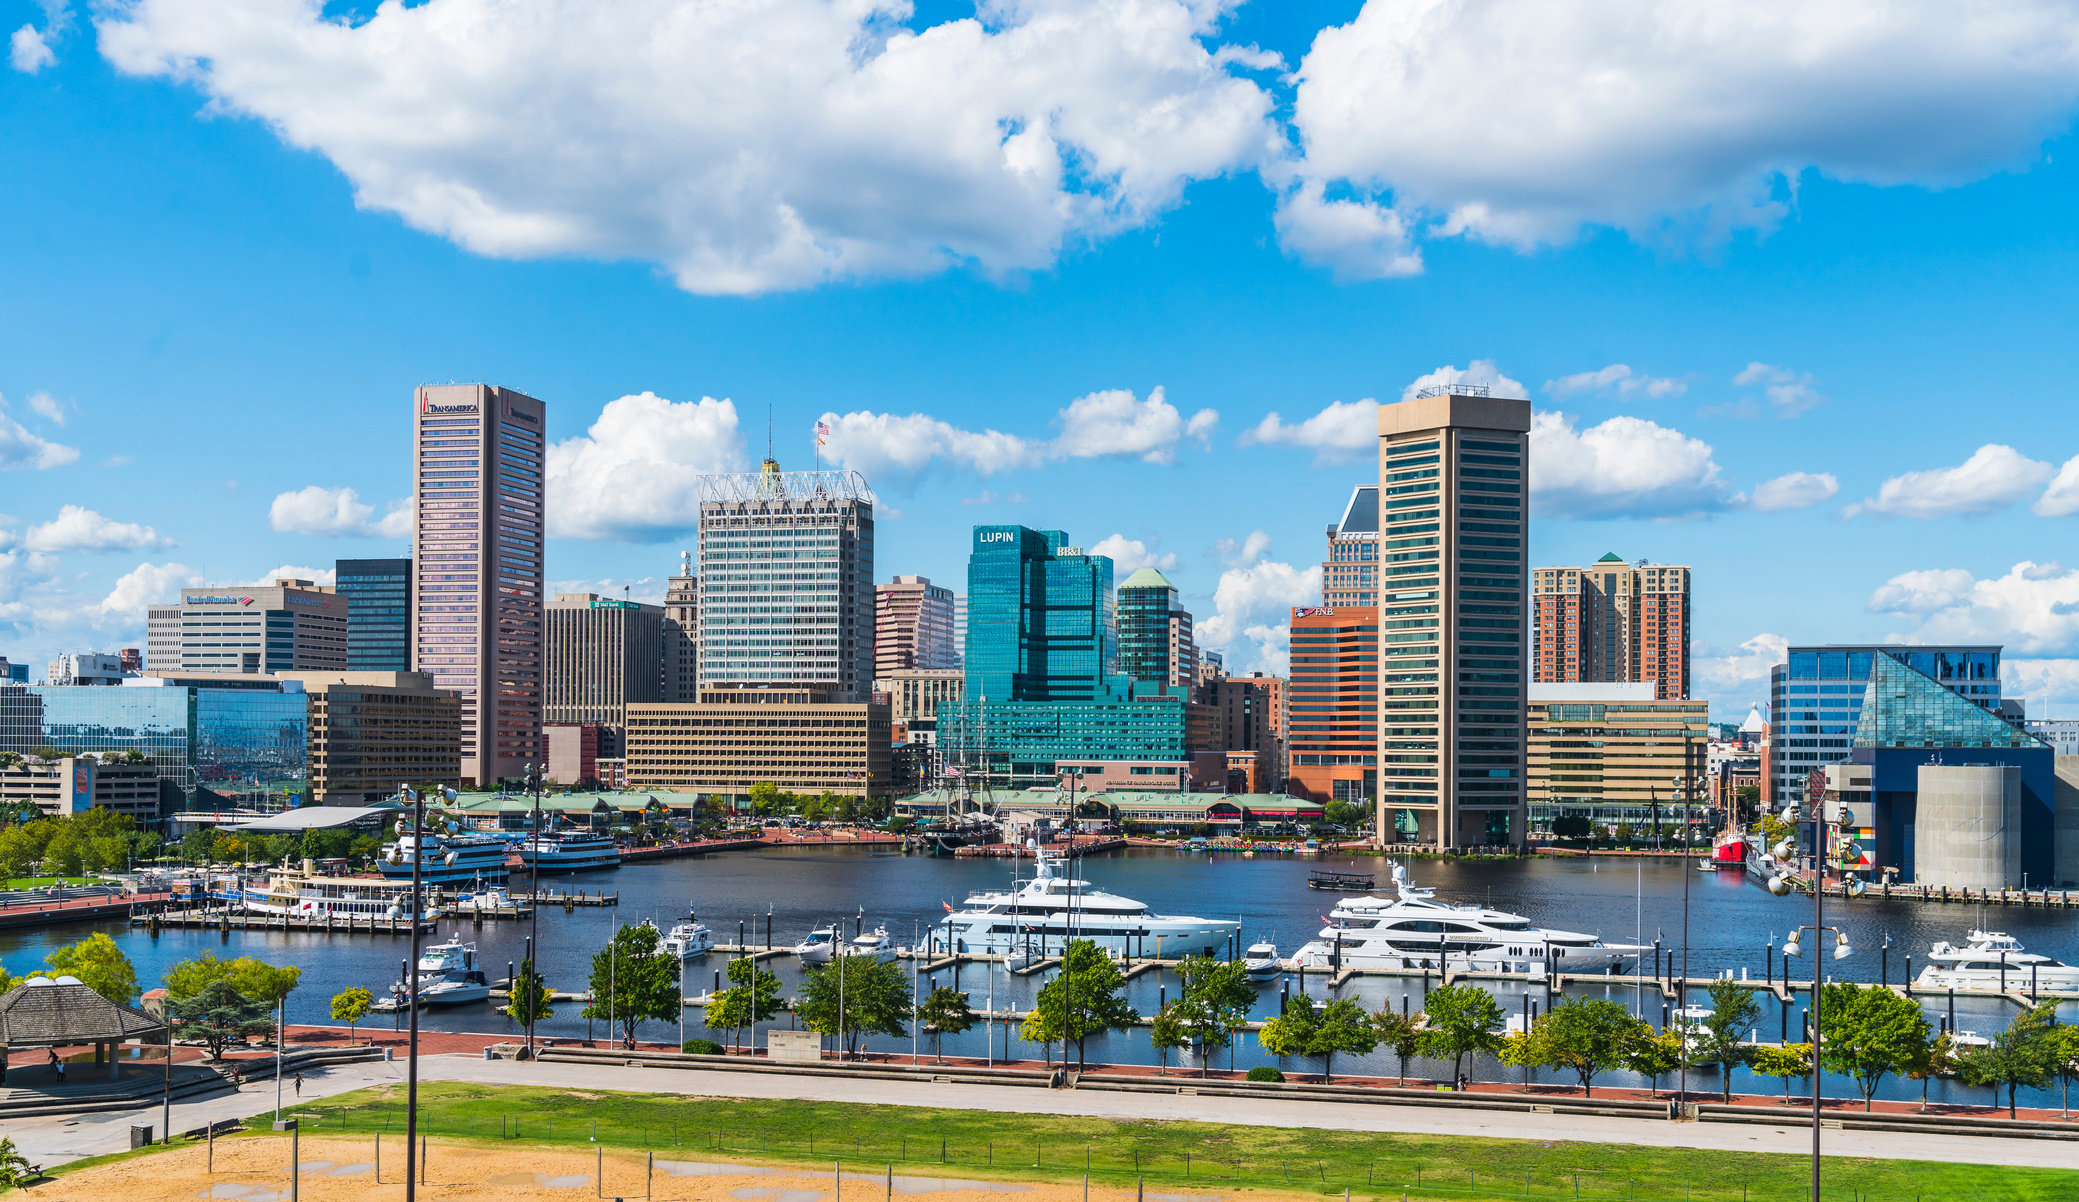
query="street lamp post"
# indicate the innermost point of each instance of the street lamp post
(1682, 995)
(534, 914)
(1820, 821)
(418, 909)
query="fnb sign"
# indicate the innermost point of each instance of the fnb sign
(1315, 611)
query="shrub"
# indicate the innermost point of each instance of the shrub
(1265, 1073)
(702, 1047)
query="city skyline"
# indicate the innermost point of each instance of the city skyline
(1720, 377)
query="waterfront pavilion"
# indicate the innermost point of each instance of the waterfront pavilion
(62, 1013)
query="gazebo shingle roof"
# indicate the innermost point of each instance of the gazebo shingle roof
(32, 1015)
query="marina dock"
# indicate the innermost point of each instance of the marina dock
(221, 919)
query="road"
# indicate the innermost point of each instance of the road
(55, 1141)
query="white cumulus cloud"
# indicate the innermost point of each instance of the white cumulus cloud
(1240, 553)
(1131, 555)
(1624, 467)
(336, 513)
(1112, 422)
(1789, 393)
(1107, 423)
(2050, 685)
(1793, 490)
(1480, 373)
(148, 584)
(287, 571)
(1731, 680)
(634, 476)
(747, 145)
(29, 50)
(1670, 119)
(19, 448)
(2033, 609)
(77, 528)
(1252, 623)
(1619, 380)
(47, 407)
(2061, 499)
(1994, 477)
(1344, 432)
(1355, 239)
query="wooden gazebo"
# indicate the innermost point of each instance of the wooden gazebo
(45, 1013)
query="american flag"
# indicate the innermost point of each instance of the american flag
(822, 432)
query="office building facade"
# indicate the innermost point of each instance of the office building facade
(74, 785)
(1816, 700)
(477, 570)
(371, 732)
(378, 597)
(912, 627)
(737, 736)
(1332, 708)
(1618, 754)
(286, 626)
(1155, 638)
(786, 582)
(682, 634)
(603, 654)
(1612, 622)
(1250, 715)
(1350, 574)
(1452, 599)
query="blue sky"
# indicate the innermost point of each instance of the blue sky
(1792, 293)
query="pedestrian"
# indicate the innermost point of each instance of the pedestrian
(57, 1066)
(299, 1085)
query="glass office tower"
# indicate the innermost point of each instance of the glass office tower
(243, 741)
(1816, 698)
(378, 593)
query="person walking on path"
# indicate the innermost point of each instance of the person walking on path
(57, 1066)
(299, 1085)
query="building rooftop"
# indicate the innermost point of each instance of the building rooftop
(1147, 578)
(1361, 515)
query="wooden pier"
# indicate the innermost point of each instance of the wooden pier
(553, 898)
(239, 920)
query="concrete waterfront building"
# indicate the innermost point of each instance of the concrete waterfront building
(573, 751)
(1155, 640)
(1452, 602)
(912, 627)
(286, 626)
(737, 736)
(1350, 574)
(603, 653)
(1816, 699)
(786, 582)
(1612, 621)
(682, 633)
(373, 731)
(1332, 711)
(378, 595)
(1618, 754)
(477, 590)
(76, 784)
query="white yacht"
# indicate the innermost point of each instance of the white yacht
(1990, 959)
(449, 975)
(873, 944)
(485, 899)
(687, 940)
(1044, 913)
(453, 860)
(1412, 930)
(568, 851)
(817, 948)
(1261, 962)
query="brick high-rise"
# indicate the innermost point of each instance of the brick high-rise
(1612, 622)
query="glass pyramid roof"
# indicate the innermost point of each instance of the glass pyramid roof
(1902, 707)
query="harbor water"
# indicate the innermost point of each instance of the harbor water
(1731, 922)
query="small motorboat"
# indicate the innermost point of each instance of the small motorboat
(687, 941)
(874, 944)
(818, 947)
(1261, 963)
(485, 900)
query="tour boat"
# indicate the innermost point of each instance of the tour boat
(1995, 960)
(1412, 930)
(451, 860)
(1048, 911)
(568, 851)
(289, 893)
(1261, 963)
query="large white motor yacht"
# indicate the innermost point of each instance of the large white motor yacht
(1992, 959)
(874, 945)
(449, 975)
(1261, 963)
(1047, 911)
(1412, 930)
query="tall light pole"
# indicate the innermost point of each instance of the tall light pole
(411, 1099)
(534, 916)
(1682, 997)
(1818, 817)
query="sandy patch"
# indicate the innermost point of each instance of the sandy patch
(256, 1169)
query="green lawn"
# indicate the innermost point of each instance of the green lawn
(45, 882)
(1171, 1156)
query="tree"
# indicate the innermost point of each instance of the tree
(1401, 1033)
(632, 980)
(853, 996)
(15, 1169)
(1463, 1019)
(256, 979)
(1288, 1033)
(1345, 814)
(1624, 833)
(753, 998)
(1585, 1036)
(350, 1006)
(219, 1013)
(1167, 1032)
(1868, 1033)
(2023, 1054)
(2064, 1050)
(1790, 1060)
(528, 1000)
(1343, 1027)
(766, 799)
(1087, 996)
(195, 846)
(1654, 1055)
(1572, 826)
(1215, 1004)
(100, 965)
(1716, 1040)
(944, 1011)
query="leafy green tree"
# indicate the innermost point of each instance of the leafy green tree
(1215, 1004)
(100, 965)
(1400, 1032)
(944, 1011)
(853, 996)
(1288, 1033)
(2064, 1051)
(219, 1013)
(15, 1170)
(752, 998)
(1790, 1060)
(1085, 997)
(1716, 1040)
(1342, 1027)
(632, 981)
(255, 979)
(1345, 814)
(1869, 1033)
(1168, 1032)
(196, 845)
(2023, 1054)
(1586, 1037)
(766, 799)
(350, 1006)
(528, 1000)
(1463, 1020)
(1572, 826)
(1655, 1055)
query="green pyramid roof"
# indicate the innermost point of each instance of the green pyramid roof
(1147, 578)
(1904, 707)
(1611, 557)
